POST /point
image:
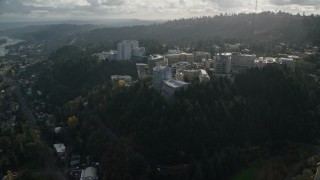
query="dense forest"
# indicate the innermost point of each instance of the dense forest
(204, 133)
(263, 27)
(210, 130)
(72, 72)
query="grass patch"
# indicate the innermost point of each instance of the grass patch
(249, 173)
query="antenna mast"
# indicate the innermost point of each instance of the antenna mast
(256, 6)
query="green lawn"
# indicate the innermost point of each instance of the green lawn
(249, 173)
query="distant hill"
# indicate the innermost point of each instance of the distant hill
(55, 32)
(266, 27)
(103, 22)
(263, 27)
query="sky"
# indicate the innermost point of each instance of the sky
(43, 10)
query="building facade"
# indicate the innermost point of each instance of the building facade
(142, 70)
(241, 62)
(181, 57)
(160, 74)
(222, 63)
(289, 63)
(171, 86)
(126, 78)
(129, 48)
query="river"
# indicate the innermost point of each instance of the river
(3, 50)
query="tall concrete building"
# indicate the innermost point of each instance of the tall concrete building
(171, 86)
(222, 63)
(163, 82)
(241, 62)
(160, 74)
(128, 48)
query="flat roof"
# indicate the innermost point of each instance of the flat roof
(175, 83)
(141, 64)
(202, 71)
(120, 76)
(225, 54)
(248, 55)
(286, 59)
(160, 67)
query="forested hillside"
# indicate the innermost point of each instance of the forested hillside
(74, 72)
(263, 27)
(209, 127)
(207, 132)
(266, 27)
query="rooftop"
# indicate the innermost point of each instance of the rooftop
(120, 76)
(59, 147)
(160, 68)
(175, 83)
(155, 56)
(225, 54)
(286, 59)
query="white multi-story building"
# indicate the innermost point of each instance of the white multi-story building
(163, 82)
(160, 74)
(222, 63)
(262, 62)
(181, 57)
(124, 50)
(241, 62)
(128, 48)
(289, 62)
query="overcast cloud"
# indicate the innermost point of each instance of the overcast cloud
(37, 10)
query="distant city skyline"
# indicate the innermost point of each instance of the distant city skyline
(46, 10)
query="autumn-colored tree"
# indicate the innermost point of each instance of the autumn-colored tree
(121, 83)
(73, 121)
